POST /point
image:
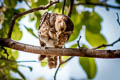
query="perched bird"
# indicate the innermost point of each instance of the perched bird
(54, 30)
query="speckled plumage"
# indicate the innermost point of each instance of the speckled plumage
(54, 31)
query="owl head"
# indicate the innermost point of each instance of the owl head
(63, 24)
(60, 24)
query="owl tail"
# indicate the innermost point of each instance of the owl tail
(52, 61)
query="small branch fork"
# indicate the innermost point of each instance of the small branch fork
(60, 65)
(27, 12)
(118, 20)
(106, 45)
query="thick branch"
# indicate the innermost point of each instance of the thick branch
(27, 12)
(83, 52)
(100, 4)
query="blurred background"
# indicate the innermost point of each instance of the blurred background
(106, 69)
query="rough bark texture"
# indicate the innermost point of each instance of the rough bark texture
(83, 52)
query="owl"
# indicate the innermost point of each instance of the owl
(54, 31)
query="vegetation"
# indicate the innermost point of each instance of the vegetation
(88, 18)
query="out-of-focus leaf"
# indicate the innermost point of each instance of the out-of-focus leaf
(31, 17)
(30, 30)
(37, 3)
(88, 1)
(74, 46)
(40, 2)
(38, 16)
(89, 66)
(21, 9)
(10, 3)
(95, 39)
(30, 68)
(77, 25)
(43, 62)
(117, 1)
(17, 71)
(84, 46)
(17, 33)
(91, 20)
(64, 58)
(6, 24)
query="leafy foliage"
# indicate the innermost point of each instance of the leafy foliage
(89, 66)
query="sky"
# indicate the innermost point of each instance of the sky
(108, 69)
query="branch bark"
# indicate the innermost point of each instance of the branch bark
(83, 52)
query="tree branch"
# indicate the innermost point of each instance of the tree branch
(83, 52)
(100, 4)
(63, 7)
(60, 65)
(71, 7)
(27, 12)
(106, 45)
(118, 20)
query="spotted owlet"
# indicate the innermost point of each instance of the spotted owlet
(54, 31)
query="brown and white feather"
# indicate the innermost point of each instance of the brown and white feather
(54, 31)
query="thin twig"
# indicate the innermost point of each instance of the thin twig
(118, 20)
(63, 8)
(16, 61)
(27, 12)
(100, 4)
(60, 65)
(78, 42)
(71, 8)
(27, 3)
(106, 45)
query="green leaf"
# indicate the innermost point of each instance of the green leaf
(88, 1)
(95, 39)
(43, 62)
(92, 21)
(89, 66)
(38, 16)
(30, 68)
(77, 25)
(37, 3)
(10, 3)
(30, 30)
(17, 71)
(74, 46)
(85, 46)
(21, 9)
(17, 33)
(64, 58)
